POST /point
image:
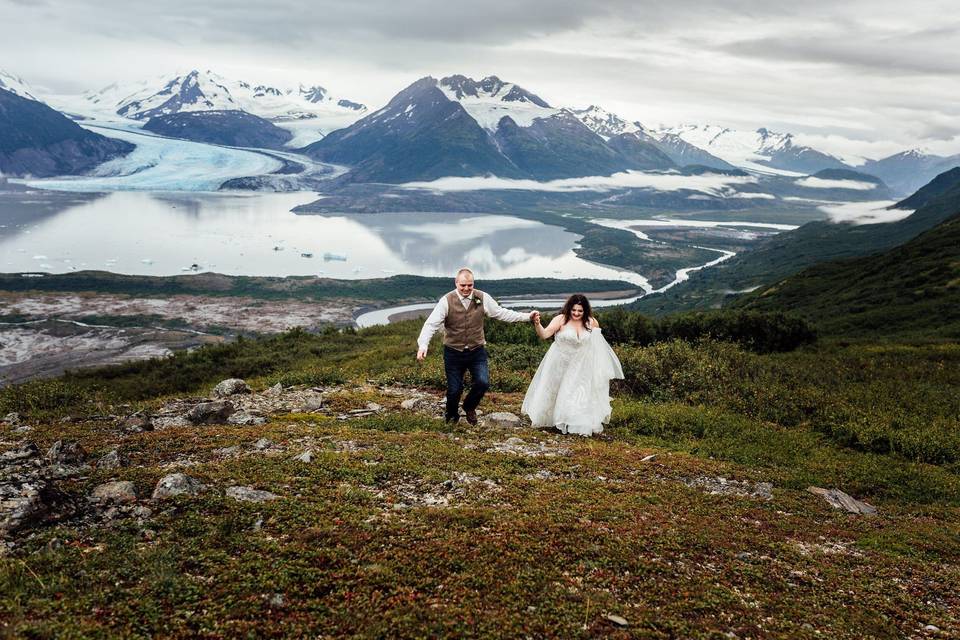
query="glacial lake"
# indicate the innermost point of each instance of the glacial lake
(172, 233)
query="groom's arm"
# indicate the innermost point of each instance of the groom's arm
(495, 311)
(431, 326)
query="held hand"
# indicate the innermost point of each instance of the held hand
(421, 354)
(535, 316)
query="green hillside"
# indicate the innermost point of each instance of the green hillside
(788, 253)
(913, 289)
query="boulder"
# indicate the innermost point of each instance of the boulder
(312, 402)
(246, 419)
(840, 500)
(249, 494)
(176, 484)
(230, 387)
(501, 420)
(118, 491)
(215, 412)
(112, 460)
(66, 452)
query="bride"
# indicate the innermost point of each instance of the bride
(571, 389)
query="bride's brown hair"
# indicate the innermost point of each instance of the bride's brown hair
(580, 299)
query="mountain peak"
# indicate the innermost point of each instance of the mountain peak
(604, 123)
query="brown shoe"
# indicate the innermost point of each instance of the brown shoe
(471, 416)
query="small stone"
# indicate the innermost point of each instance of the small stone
(617, 620)
(66, 452)
(410, 403)
(166, 422)
(931, 628)
(373, 406)
(149, 534)
(258, 524)
(306, 456)
(275, 390)
(12, 419)
(262, 443)
(54, 544)
(230, 387)
(744, 555)
(649, 458)
(246, 419)
(23, 428)
(278, 601)
(142, 512)
(111, 460)
(118, 491)
(176, 484)
(135, 423)
(501, 420)
(215, 412)
(249, 494)
(227, 452)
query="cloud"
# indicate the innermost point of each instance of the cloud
(858, 213)
(822, 183)
(715, 184)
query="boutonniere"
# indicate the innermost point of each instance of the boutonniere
(476, 300)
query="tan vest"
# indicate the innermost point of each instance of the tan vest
(464, 327)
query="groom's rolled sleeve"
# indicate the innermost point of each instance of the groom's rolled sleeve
(433, 323)
(495, 311)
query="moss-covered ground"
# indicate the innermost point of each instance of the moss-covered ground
(402, 526)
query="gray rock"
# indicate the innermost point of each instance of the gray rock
(840, 500)
(12, 419)
(142, 512)
(66, 452)
(249, 494)
(165, 422)
(617, 620)
(230, 387)
(741, 488)
(278, 601)
(649, 458)
(312, 402)
(931, 628)
(215, 412)
(112, 460)
(501, 420)
(227, 452)
(26, 451)
(22, 428)
(411, 403)
(136, 423)
(373, 406)
(262, 443)
(176, 484)
(246, 419)
(306, 456)
(21, 503)
(119, 491)
(275, 390)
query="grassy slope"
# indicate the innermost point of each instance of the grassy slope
(607, 534)
(788, 253)
(913, 289)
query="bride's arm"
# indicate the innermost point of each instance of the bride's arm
(551, 329)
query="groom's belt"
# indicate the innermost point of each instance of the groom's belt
(464, 349)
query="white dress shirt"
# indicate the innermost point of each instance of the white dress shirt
(439, 314)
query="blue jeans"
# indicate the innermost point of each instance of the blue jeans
(455, 365)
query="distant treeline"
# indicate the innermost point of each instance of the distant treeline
(760, 332)
(398, 288)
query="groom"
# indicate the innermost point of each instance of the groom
(461, 314)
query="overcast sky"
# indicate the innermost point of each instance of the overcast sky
(861, 76)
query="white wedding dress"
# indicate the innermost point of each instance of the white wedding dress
(571, 389)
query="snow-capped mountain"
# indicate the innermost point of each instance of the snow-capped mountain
(907, 171)
(633, 139)
(489, 100)
(462, 127)
(604, 123)
(761, 150)
(207, 91)
(16, 85)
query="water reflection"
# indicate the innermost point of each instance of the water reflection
(256, 234)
